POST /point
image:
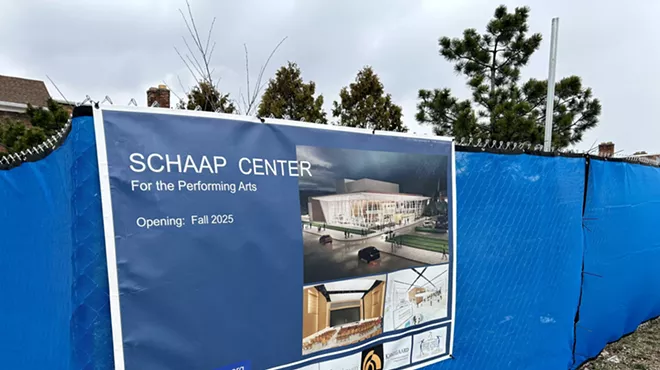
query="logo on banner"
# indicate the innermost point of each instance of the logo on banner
(397, 353)
(372, 359)
(430, 345)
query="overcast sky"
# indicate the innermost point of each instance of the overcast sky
(415, 173)
(122, 47)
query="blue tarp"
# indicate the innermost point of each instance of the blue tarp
(519, 260)
(91, 338)
(520, 253)
(622, 254)
(35, 262)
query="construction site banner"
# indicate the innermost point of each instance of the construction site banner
(243, 243)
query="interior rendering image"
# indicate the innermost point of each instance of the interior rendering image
(416, 296)
(342, 313)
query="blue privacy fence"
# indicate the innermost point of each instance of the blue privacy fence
(546, 275)
(621, 285)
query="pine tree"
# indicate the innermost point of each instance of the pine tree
(50, 120)
(500, 108)
(289, 97)
(15, 136)
(364, 104)
(208, 98)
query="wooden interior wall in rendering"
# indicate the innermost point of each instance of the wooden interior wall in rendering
(366, 306)
(412, 295)
(324, 314)
(316, 310)
(373, 302)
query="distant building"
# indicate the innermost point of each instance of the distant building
(648, 158)
(367, 203)
(16, 93)
(159, 95)
(606, 149)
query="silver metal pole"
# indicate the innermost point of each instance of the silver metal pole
(550, 99)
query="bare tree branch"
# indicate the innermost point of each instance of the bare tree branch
(208, 38)
(196, 64)
(247, 69)
(185, 91)
(187, 66)
(212, 49)
(254, 91)
(171, 90)
(199, 40)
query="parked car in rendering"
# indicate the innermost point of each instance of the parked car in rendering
(428, 223)
(325, 239)
(369, 254)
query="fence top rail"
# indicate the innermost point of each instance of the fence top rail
(463, 144)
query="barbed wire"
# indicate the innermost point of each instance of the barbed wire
(497, 145)
(10, 160)
(512, 146)
(40, 151)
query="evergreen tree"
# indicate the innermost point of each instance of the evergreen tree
(364, 104)
(208, 98)
(288, 97)
(15, 136)
(50, 120)
(500, 108)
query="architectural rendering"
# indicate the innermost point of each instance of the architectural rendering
(367, 212)
(342, 313)
(416, 296)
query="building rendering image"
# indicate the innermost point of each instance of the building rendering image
(371, 212)
(368, 204)
(342, 313)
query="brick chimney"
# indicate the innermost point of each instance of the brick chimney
(606, 149)
(159, 94)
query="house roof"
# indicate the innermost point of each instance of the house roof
(23, 91)
(646, 155)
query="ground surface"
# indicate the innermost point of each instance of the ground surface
(322, 263)
(639, 350)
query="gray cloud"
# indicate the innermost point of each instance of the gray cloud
(415, 173)
(123, 47)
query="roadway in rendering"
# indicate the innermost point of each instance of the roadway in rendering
(323, 263)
